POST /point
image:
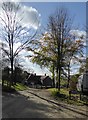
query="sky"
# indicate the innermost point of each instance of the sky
(41, 11)
(77, 11)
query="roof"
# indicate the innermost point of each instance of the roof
(37, 77)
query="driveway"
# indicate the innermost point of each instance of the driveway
(35, 103)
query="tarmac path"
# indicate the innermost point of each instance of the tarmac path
(36, 103)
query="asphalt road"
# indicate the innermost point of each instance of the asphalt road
(29, 105)
(0, 101)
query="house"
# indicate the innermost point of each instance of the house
(46, 81)
(35, 80)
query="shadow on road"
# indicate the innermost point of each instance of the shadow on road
(18, 106)
(63, 106)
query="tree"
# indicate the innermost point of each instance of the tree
(74, 49)
(84, 66)
(44, 54)
(5, 75)
(18, 70)
(57, 47)
(51, 51)
(4, 61)
(13, 32)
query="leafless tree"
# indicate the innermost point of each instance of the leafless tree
(59, 26)
(12, 32)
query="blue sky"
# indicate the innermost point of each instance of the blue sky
(77, 12)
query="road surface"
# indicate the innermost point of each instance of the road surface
(34, 103)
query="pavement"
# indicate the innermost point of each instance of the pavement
(37, 103)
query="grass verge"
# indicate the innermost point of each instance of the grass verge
(20, 86)
(15, 88)
(64, 97)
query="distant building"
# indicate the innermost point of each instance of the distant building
(35, 80)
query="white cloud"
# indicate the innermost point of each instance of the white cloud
(31, 18)
(33, 67)
(10, 1)
(16, 45)
(74, 71)
(29, 15)
(79, 34)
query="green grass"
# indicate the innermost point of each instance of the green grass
(55, 92)
(64, 96)
(15, 88)
(20, 86)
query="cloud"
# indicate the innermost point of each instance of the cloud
(31, 18)
(29, 66)
(74, 71)
(12, 1)
(29, 15)
(79, 34)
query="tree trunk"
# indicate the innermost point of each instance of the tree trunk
(15, 76)
(2, 82)
(59, 79)
(58, 67)
(53, 75)
(11, 59)
(11, 77)
(68, 75)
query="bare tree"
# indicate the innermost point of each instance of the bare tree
(52, 48)
(59, 27)
(12, 32)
